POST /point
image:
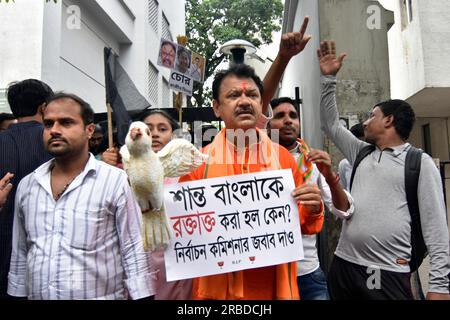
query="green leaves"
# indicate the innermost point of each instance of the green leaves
(210, 23)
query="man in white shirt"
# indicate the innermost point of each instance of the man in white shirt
(77, 226)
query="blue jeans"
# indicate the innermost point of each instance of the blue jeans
(313, 286)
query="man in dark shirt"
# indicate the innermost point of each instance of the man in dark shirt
(21, 152)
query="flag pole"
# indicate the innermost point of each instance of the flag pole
(179, 107)
(108, 77)
(110, 126)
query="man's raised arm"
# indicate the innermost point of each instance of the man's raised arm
(291, 44)
(330, 65)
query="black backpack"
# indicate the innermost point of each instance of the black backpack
(412, 171)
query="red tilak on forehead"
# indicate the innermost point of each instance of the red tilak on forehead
(244, 86)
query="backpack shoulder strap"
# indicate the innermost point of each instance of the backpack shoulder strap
(413, 163)
(364, 152)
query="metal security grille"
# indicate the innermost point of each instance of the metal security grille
(166, 98)
(166, 29)
(152, 83)
(153, 14)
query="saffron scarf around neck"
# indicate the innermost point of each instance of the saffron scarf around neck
(225, 156)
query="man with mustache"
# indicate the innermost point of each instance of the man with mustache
(242, 148)
(167, 54)
(77, 226)
(317, 169)
(21, 151)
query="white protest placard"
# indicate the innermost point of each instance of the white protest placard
(181, 83)
(232, 223)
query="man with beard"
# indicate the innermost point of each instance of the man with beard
(316, 169)
(77, 226)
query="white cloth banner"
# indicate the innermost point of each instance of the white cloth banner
(232, 223)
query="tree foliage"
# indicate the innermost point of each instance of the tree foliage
(210, 23)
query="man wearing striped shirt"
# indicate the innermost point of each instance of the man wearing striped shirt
(77, 227)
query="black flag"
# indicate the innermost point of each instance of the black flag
(121, 94)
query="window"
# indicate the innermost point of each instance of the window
(166, 101)
(153, 14)
(152, 83)
(165, 33)
(426, 136)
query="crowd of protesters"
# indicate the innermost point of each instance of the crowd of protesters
(70, 227)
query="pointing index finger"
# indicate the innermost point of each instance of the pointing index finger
(304, 26)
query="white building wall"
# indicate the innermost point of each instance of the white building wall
(406, 61)
(44, 43)
(121, 14)
(435, 33)
(21, 40)
(20, 37)
(51, 43)
(81, 69)
(418, 49)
